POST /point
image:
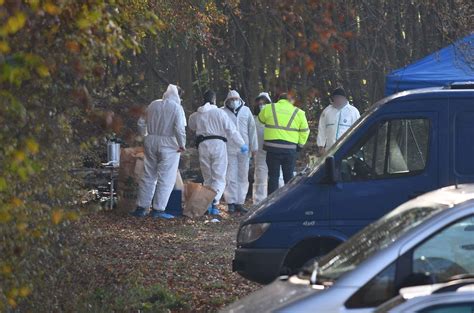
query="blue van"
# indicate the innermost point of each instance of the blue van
(403, 146)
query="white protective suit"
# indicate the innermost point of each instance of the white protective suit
(212, 121)
(260, 184)
(238, 166)
(334, 122)
(165, 135)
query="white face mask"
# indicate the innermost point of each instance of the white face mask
(261, 106)
(233, 104)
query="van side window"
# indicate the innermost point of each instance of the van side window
(393, 148)
(464, 131)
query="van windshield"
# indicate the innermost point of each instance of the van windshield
(340, 142)
(371, 239)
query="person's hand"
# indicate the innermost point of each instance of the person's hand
(254, 154)
(244, 149)
(181, 149)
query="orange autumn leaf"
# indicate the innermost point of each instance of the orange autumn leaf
(57, 216)
(348, 34)
(6, 269)
(73, 46)
(137, 111)
(16, 202)
(337, 46)
(51, 8)
(314, 47)
(19, 156)
(309, 65)
(291, 54)
(12, 302)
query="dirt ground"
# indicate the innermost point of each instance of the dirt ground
(190, 258)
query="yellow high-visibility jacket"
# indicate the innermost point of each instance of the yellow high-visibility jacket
(284, 121)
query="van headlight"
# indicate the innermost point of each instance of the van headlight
(251, 232)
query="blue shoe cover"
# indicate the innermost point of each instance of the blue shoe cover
(214, 211)
(161, 214)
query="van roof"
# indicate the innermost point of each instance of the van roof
(456, 88)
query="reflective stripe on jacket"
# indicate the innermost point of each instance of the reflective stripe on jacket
(283, 121)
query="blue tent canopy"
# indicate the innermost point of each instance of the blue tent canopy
(454, 63)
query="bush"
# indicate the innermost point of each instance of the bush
(50, 52)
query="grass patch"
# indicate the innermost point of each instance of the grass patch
(215, 285)
(219, 301)
(155, 298)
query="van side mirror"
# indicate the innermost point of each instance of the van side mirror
(330, 168)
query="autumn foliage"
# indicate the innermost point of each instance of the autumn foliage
(73, 71)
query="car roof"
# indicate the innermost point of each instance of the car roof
(430, 294)
(450, 202)
(449, 196)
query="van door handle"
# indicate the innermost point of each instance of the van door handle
(415, 194)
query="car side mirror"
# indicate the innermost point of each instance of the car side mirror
(330, 168)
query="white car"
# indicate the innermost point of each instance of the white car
(427, 240)
(454, 297)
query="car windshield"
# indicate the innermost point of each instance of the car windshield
(371, 239)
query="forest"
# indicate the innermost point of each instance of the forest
(75, 71)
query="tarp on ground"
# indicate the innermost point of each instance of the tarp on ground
(454, 63)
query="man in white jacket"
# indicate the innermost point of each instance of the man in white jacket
(238, 167)
(164, 142)
(214, 131)
(335, 120)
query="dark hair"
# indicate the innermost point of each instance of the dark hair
(339, 91)
(283, 95)
(180, 91)
(209, 96)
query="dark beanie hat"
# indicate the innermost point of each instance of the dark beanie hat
(339, 91)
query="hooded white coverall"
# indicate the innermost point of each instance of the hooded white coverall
(212, 121)
(165, 135)
(238, 166)
(260, 184)
(334, 122)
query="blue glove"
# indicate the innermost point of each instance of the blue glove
(244, 149)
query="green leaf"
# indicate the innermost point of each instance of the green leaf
(3, 184)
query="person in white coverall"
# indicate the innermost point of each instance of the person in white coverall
(214, 130)
(238, 167)
(164, 142)
(335, 120)
(260, 184)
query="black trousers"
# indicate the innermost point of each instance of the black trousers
(286, 161)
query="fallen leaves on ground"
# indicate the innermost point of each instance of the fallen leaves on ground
(192, 258)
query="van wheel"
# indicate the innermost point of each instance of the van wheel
(305, 251)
